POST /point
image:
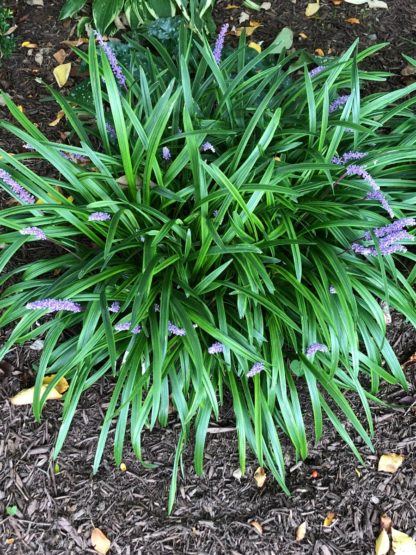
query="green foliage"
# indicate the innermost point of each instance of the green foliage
(238, 246)
(197, 13)
(7, 42)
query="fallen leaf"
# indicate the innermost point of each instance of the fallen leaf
(9, 541)
(257, 526)
(231, 7)
(123, 467)
(60, 56)
(337, 2)
(60, 387)
(243, 17)
(34, 2)
(329, 519)
(61, 73)
(76, 42)
(371, 3)
(237, 474)
(408, 70)
(303, 36)
(248, 30)
(319, 52)
(390, 462)
(100, 542)
(21, 109)
(28, 44)
(312, 9)
(57, 119)
(25, 396)
(301, 532)
(39, 58)
(385, 522)
(353, 20)
(255, 45)
(260, 476)
(402, 543)
(255, 24)
(10, 30)
(37, 345)
(266, 6)
(382, 543)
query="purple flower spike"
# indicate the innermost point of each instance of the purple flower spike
(354, 169)
(17, 189)
(35, 232)
(378, 195)
(136, 330)
(74, 157)
(255, 369)
(398, 225)
(115, 307)
(99, 217)
(216, 348)
(115, 66)
(122, 326)
(174, 330)
(207, 146)
(111, 131)
(347, 157)
(316, 71)
(315, 347)
(338, 103)
(219, 43)
(166, 155)
(54, 305)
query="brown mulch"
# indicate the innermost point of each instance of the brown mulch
(57, 509)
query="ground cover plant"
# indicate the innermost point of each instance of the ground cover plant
(233, 223)
(7, 41)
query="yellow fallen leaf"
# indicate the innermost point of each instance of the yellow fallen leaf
(60, 387)
(25, 397)
(260, 476)
(123, 467)
(249, 31)
(61, 73)
(382, 543)
(21, 109)
(319, 52)
(390, 462)
(231, 7)
(303, 35)
(312, 9)
(255, 46)
(257, 526)
(402, 543)
(301, 532)
(255, 24)
(329, 519)
(353, 20)
(100, 542)
(57, 119)
(28, 44)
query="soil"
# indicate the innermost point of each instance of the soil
(57, 507)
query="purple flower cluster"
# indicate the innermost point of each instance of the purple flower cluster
(390, 241)
(207, 146)
(338, 103)
(166, 155)
(316, 71)
(174, 330)
(378, 196)
(315, 347)
(115, 66)
(99, 217)
(219, 43)
(125, 326)
(74, 157)
(354, 169)
(392, 228)
(111, 131)
(347, 157)
(255, 369)
(53, 305)
(216, 348)
(17, 189)
(35, 232)
(114, 307)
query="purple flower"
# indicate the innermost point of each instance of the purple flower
(74, 157)
(378, 195)
(341, 160)
(111, 131)
(17, 189)
(354, 169)
(136, 330)
(99, 217)
(315, 347)
(166, 155)
(219, 43)
(215, 348)
(115, 307)
(332, 290)
(115, 66)
(398, 225)
(390, 241)
(255, 369)
(207, 146)
(125, 326)
(53, 305)
(316, 71)
(174, 330)
(338, 102)
(365, 251)
(35, 232)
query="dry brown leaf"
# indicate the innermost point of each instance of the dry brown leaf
(402, 543)
(9, 541)
(248, 30)
(100, 542)
(329, 519)
(319, 52)
(76, 42)
(301, 532)
(257, 526)
(353, 20)
(28, 44)
(255, 24)
(385, 522)
(382, 543)
(303, 36)
(60, 56)
(390, 462)
(337, 2)
(10, 30)
(57, 119)
(408, 70)
(61, 73)
(260, 476)
(255, 45)
(312, 9)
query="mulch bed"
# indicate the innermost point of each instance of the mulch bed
(56, 510)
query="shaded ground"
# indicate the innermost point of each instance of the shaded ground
(56, 511)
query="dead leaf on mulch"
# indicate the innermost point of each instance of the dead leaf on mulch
(371, 3)
(255, 45)
(25, 396)
(312, 9)
(34, 2)
(60, 56)
(408, 70)
(301, 532)
(353, 21)
(239, 31)
(57, 119)
(382, 543)
(100, 542)
(402, 543)
(266, 6)
(28, 44)
(61, 73)
(385, 522)
(329, 519)
(257, 526)
(260, 476)
(390, 462)
(76, 42)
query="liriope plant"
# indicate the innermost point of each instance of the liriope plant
(230, 226)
